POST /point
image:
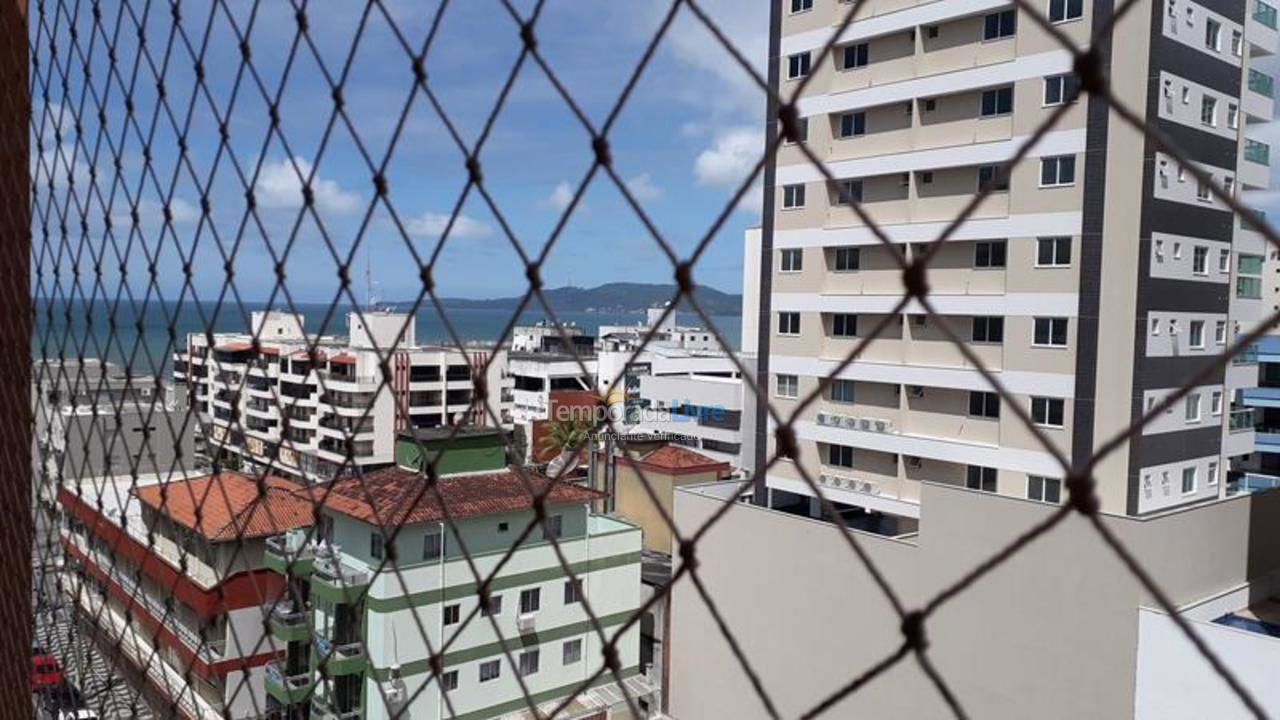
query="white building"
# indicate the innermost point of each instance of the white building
(314, 407)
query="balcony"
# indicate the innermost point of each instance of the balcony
(287, 689)
(1241, 420)
(1264, 14)
(1257, 152)
(1260, 29)
(1262, 397)
(345, 659)
(288, 624)
(325, 709)
(289, 553)
(334, 581)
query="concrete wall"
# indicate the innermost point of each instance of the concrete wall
(1057, 618)
(634, 503)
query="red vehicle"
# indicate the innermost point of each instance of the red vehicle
(46, 671)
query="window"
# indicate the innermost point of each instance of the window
(1237, 43)
(844, 325)
(490, 670)
(452, 614)
(1057, 171)
(1047, 411)
(502, 527)
(842, 391)
(1200, 260)
(1229, 185)
(1208, 111)
(1202, 191)
(788, 323)
(1220, 332)
(1186, 95)
(980, 478)
(494, 607)
(799, 6)
(847, 259)
(449, 681)
(989, 254)
(530, 600)
(996, 102)
(432, 546)
(1215, 402)
(1191, 407)
(1212, 34)
(788, 386)
(529, 662)
(1059, 89)
(1044, 489)
(988, 329)
(792, 260)
(1050, 332)
(989, 177)
(848, 191)
(1196, 336)
(840, 455)
(572, 591)
(802, 132)
(1155, 326)
(1233, 116)
(377, 546)
(999, 25)
(1063, 10)
(1053, 251)
(1188, 480)
(572, 651)
(553, 527)
(1212, 476)
(792, 196)
(1224, 260)
(853, 124)
(984, 404)
(797, 66)
(854, 56)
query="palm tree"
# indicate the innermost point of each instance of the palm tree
(566, 437)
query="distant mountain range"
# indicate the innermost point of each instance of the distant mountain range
(612, 297)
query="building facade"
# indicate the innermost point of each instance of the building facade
(360, 634)
(1093, 280)
(313, 408)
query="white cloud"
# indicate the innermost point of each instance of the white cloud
(280, 186)
(433, 224)
(561, 196)
(731, 159)
(642, 187)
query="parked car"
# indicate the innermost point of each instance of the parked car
(46, 671)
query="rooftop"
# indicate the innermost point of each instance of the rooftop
(677, 459)
(230, 506)
(444, 432)
(396, 496)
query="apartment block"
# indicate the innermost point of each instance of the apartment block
(312, 408)
(169, 570)
(360, 633)
(1096, 277)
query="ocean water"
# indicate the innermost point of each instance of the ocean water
(143, 336)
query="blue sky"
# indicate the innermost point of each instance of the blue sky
(687, 137)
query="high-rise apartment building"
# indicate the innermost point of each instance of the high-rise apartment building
(312, 408)
(1096, 278)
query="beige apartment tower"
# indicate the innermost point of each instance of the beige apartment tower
(1093, 282)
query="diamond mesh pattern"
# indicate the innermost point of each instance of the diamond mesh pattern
(118, 91)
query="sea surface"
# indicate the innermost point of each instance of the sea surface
(138, 335)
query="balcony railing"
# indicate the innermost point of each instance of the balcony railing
(1264, 14)
(1261, 82)
(1258, 152)
(1241, 420)
(1249, 288)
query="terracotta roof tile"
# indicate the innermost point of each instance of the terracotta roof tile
(674, 457)
(227, 506)
(394, 496)
(343, 359)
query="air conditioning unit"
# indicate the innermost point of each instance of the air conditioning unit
(916, 391)
(865, 424)
(851, 422)
(913, 462)
(882, 425)
(822, 418)
(824, 479)
(526, 623)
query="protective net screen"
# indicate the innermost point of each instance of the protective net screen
(260, 490)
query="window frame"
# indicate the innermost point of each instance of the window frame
(1058, 163)
(857, 124)
(576, 644)
(843, 320)
(573, 591)
(1213, 35)
(860, 56)
(799, 65)
(980, 479)
(793, 196)
(491, 667)
(836, 456)
(1195, 334)
(806, 6)
(1051, 334)
(840, 397)
(789, 323)
(1190, 472)
(451, 614)
(992, 175)
(527, 667)
(1208, 111)
(790, 260)
(846, 251)
(530, 600)
(1044, 484)
(1055, 243)
(1000, 102)
(778, 385)
(1066, 10)
(1005, 25)
(984, 404)
(1064, 84)
(1044, 410)
(997, 255)
(987, 322)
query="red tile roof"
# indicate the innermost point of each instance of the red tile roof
(228, 506)
(677, 460)
(343, 359)
(395, 496)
